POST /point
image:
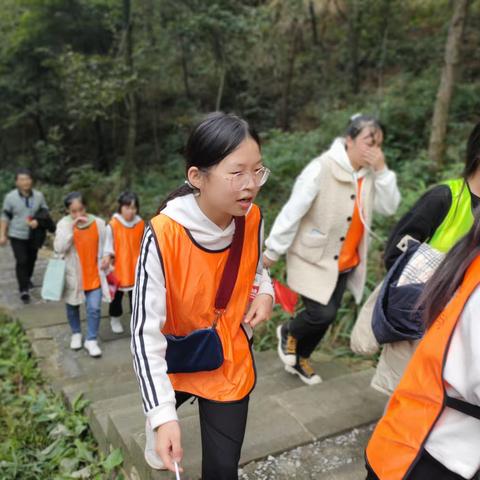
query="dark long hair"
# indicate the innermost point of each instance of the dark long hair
(449, 275)
(472, 160)
(216, 136)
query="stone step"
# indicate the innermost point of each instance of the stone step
(277, 422)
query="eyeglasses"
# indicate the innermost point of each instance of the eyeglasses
(240, 181)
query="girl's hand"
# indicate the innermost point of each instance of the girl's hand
(81, 219)
(260, 310)
(105, 263)
(267, 262)
(375, 158)
(168, 444)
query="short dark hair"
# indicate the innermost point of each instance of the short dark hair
(359, 121)
(127, 198)
(23, 171)
(71, 197)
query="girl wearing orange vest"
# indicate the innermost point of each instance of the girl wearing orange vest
(183, 256)
(323, 230)
(122, 248)
(431, 428)
(79, 239)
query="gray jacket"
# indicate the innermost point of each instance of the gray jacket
(16, 210)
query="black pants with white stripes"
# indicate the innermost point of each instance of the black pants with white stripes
(222, 427)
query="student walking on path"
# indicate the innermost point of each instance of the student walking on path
(122, 248)
(201, 267)
(323, 229)
(431, 428)
(17, 224)
(440, 218)
(444, 214)
(79, 239)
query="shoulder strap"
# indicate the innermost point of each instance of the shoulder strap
(229, 276)
(462, 406)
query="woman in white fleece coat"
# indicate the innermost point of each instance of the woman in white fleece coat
(79, 238)
(323, 229)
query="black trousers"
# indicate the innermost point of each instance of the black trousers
(222, 427)
(115, 309)
(25, 254)
(427, 468)
(311, 324)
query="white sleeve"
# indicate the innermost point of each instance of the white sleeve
(286, 224)
(265, 286)
(148, 344)
(109, 248)
(387, 196)
(462, 368)
(63, 237)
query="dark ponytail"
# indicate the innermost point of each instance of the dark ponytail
(214, 138)
(449, 275)
(472, 160)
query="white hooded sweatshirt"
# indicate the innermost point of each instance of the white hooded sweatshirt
(149, 306)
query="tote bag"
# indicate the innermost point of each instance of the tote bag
(54, 280)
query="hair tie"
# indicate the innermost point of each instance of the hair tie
(356, 116)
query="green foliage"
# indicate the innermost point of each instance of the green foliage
(40, 437)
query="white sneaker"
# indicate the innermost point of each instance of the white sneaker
(92, 347)
(76, 341)
(151, 456)
(116, 325)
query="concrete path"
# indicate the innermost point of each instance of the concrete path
(284, 413)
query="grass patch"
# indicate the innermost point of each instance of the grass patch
(40, 438)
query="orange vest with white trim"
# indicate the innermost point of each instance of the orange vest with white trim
(192, 277)
(126, 243)
(86, 245)
(419, 399)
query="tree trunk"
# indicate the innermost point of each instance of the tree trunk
(221, 85)
(313, 21)
(353, 39)
(131, 101)
(285, 112)
(186, 84)
(436, 148)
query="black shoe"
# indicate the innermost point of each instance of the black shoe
(25, 297)
(287, 346)
(305, 371)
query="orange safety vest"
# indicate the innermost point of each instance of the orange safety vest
(126, 243)
(192, 277)
(349, 257)
(419, 400)
(86, 244)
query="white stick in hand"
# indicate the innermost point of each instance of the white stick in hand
(177, 473)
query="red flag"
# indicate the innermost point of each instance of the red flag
(113, 284)
(285, 297)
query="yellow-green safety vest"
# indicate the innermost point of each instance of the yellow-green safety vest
(459, 219)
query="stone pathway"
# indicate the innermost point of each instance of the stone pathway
(293, 431)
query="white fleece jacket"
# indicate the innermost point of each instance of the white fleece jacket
(306, 189)
(148, 344)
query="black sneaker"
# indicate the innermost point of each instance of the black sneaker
(287, 346)
(305, 371)
(25, 297)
